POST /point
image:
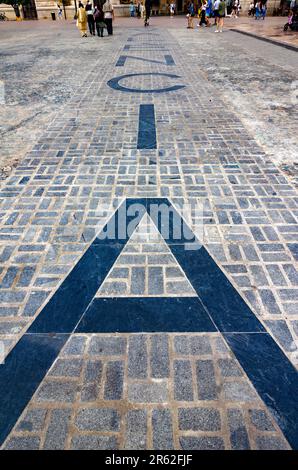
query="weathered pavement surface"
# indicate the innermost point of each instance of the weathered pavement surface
(161, 390)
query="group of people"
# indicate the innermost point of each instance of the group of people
(258, 9)
(207, 10)
(137, 10)
(141, 10)
(99, 18)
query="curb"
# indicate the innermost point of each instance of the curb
(271, 41)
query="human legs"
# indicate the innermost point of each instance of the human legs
(91, 24)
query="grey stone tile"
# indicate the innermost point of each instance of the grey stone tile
(199, 419)
(281, 332)
(238, 433)
(159, 359)
(33, 420)
(93, 371)
(107, 346)
(271, 443)
(206, 383)
(58, 429)
(162, 429)
(202, 443)
(113, 389)
(23, 443)
(81, 442)
(75, 346)
(183, 383)
(136, 430)
(67, 368)
(97, 419)
(137, 356)
(229, 368)
(155, 392)
(238, 391)
(261, 420)
(52, 391)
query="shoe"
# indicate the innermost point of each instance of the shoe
(216, 31)
(220, 31)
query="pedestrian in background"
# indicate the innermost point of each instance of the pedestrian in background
(108, 16)
(221, 16)
(263, 8)
(215, 12)
(82, 20)
(90, 18)
(59, 12)
(190, 15)
(142, 10)
(99, 20)
(147, 12)
(235, 6)
(203, 20)
(138, 10)
(132, 9)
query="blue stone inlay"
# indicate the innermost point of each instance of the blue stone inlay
(146, 47)
(146, 314)
(24, 180)
(25, 367)
(147, 128)
(122, 59)
(114, 83)
(273, 376)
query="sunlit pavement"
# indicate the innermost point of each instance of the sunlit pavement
(135, 342)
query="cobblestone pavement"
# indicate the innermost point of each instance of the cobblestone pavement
(142, 391)
(175, 390)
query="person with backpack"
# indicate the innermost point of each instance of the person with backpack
(99, 20)
(221, 15)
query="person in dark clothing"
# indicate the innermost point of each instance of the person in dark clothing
(99, 20)
(108, 11)
(90, 18)
(147, 12)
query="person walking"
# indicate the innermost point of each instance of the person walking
(263, 8)
(203, 21)
(147, 12)
(82, 20)
(132, 9)
(59, 12)
(142, 10)
(138, 10)
(235, 9)
(108, 11)
(190, 15)
(221, 15)
(90, 18)
(99, 20)
(215, 12)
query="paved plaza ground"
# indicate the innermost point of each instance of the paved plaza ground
(137, 342)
